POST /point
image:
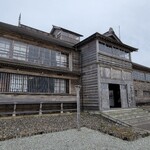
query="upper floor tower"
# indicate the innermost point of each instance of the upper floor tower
(114, 47)
(65, 35)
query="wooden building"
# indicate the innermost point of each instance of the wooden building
(141, 80)
(37, 67)
(106, 72)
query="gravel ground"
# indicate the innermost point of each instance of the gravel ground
(14, 127)
(86, 139)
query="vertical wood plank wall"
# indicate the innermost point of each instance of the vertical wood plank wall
(89, 76)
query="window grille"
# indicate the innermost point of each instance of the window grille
(32, 84)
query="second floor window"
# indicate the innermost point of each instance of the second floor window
(34, 54)
(113, 51)
(4, 48)
(137, 75)
(19, 51)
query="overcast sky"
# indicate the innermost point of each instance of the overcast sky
(87, 17)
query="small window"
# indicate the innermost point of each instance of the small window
(146, 93)
(136, 93)
(58, 35)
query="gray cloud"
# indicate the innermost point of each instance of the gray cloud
(87, 17)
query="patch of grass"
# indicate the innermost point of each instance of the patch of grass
(123, 132)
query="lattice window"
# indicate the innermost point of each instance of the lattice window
(20, 51)
(137, 75)
(5, 47)
(18, 83)
(113, 51)
(33, 54)
(60, 86)
(147, 77)
(32, 84)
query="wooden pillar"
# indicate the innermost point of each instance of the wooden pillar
(130, 58)
(70, 61)
(40, 109)
(78, 87)
(61, 105)
(14, 112)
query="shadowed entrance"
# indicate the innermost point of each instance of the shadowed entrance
(114, 96)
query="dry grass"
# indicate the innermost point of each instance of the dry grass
(21, 126)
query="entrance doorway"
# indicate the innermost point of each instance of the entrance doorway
(114, 96)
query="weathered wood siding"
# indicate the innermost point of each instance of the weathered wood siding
(123, 94)
(104, 96)
(114, 70)
(120, 76)
(72, 85)
(88, 53)
(89, 77)
(104, 59)
(76, 61)
(10, 98)
(20, 67)
(141, 86)
(142, 92)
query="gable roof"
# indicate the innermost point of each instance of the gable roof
(111, 34)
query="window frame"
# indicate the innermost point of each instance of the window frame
(34, 54)
(18, 83)
(113, 51)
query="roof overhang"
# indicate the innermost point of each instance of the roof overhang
(107, 39)
(29, 34)
(140, 67)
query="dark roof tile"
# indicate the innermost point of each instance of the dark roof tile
(32, 33)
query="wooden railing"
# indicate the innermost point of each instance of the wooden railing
(18, 108)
